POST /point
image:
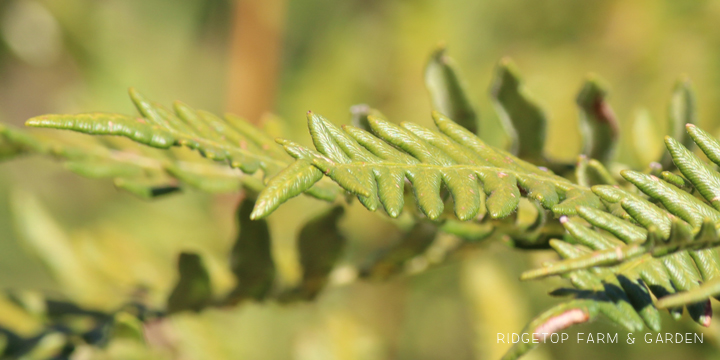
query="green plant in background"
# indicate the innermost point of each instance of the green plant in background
(633, 241)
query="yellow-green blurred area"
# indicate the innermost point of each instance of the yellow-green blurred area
(69, 56)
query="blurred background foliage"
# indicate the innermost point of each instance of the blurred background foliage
(285, 57)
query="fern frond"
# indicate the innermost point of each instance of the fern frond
(678, 219)
(623, 293)
(236, 146)
(218, 139)
(137, 169)
(663, 243)
(481, 179)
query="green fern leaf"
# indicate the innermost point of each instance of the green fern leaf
(359, 116)
(516, 107)
(137, 169)
(216, 139)
(230, 140)
(623, 293)
(374, 167)
(681, 111)
(599, 127)
(590, 172)
(665, 244)
(447, 91)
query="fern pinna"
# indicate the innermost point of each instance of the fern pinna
(375, 168)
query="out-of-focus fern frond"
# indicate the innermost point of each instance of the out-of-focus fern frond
(447, 91)
(598, 125)
(64, 326)
(193, 290)
(590, 172)
(14, 142)
(481, 179)
(390, 261)
(250, 258)
(359, 116)
(681, 111)
(515, 106)
(320, 245)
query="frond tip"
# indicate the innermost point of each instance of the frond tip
(375, 166)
